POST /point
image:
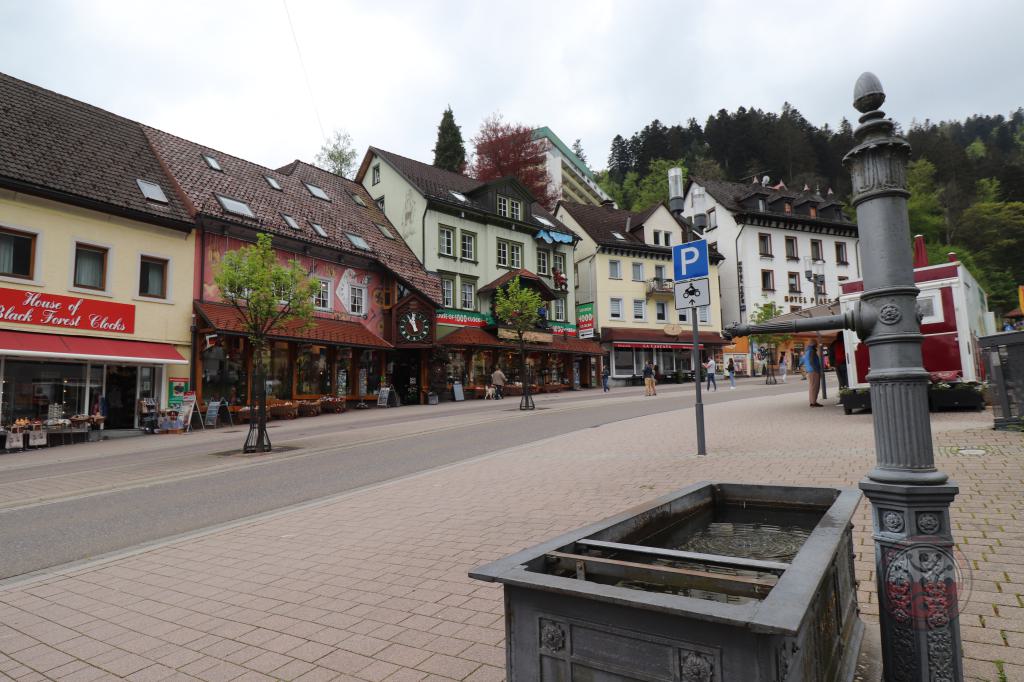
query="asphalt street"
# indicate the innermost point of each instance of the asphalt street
(42, 535)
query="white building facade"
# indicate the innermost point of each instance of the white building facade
(771, 238)
(570, 177)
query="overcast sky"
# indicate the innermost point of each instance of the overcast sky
(227, 73)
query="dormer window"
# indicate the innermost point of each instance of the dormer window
(787, 207)
(814, 212)
(761, 206)
(212, 163)
(510, 208)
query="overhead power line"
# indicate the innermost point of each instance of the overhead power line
(305, 74)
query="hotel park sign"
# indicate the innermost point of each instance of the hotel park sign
(65, 312)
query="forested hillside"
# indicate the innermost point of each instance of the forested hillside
(966, 177)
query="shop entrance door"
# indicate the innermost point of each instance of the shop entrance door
(407, 376)
(122, 392)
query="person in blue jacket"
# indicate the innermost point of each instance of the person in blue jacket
(812, 365)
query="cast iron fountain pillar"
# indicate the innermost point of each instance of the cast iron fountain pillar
(915, 568)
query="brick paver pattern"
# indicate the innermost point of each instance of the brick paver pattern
(373, 586)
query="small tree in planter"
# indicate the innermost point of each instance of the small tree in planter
(267, 295)
(764, 313)
(519, 307)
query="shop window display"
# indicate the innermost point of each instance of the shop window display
(481, 368)
(225, 376)
(313, 370)
(31, 388)
(277, 365)
(456, 366)
(623, 362)
(369, 362)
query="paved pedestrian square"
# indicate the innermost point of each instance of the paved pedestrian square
(372, 585)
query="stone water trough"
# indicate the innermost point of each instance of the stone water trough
(717, 582)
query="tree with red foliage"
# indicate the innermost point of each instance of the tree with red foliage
(508, 149)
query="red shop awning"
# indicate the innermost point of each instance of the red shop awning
(31, 345)
(666, 346)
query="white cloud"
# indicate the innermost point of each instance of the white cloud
(226, 73)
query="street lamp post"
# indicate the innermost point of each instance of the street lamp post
(915, 568)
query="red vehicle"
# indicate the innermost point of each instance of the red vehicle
(954, 313)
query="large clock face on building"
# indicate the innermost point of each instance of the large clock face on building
(414, 326)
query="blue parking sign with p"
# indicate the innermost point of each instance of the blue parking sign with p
(690, 260)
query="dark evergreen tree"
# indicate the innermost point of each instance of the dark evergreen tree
(577, 149)
(449, 151)
(619, 160)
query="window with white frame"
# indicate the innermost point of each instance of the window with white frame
(657, 237)
(667, 238)
(376, 174)
(322, 295)
(841, 253)
(684, 315)
(468, 246)
(516, 209)
(615, 309)
(502, 254)
(558, 263)
(659, 272)
(380, 202)
(704, 314)
(446, 241)
(448, 292)
(468, 290)
(661, 311)
(357, 300)
(542, 262)
(515, 256)
(639, 309)
(638, 272)
(615, 269)
(712, 219)
(559, 310)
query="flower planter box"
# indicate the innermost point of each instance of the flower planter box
(718, 582)
(309, 408)
(332, 405)
(956, 397)
(856, 399)
(285, 410)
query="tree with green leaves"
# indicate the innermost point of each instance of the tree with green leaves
(337, 155)
(519, 308)
(449, 150)
(925, 203)
(577, 149)
(266, 295)
(764, 313)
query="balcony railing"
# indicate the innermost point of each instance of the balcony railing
(660, 285)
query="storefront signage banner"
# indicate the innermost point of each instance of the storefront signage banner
(666, 346)
(463, 318)
(585, 320)
(65, 312)
(563, 328)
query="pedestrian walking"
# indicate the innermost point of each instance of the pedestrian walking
(649, 378)
(710, 367)
(838, 353)
(731, 369)
(498, 378)
(812, 365)
(606, 374)
(783, 366)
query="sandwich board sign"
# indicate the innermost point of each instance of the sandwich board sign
(693, 293)
(690, 260)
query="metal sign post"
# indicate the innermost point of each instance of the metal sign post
(689, 261)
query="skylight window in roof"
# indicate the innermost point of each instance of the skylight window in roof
(358, 199)
(273, 182)
(543, 221)
(357, 241)
(317, 192)
(385, 231)
(292, 223)
(152, 191)
(459, 195)
(212, 163)
(235, 206)
(319, 229)
(618, 235)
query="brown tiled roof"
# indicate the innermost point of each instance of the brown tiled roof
(246, 181)
(522, 274)
(474, 336)
(439, 184)
(226, 318)
(601, 221)
(732, 194)
(627, 335)
(570, 344)
(55, 146)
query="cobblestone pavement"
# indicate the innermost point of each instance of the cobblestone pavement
(372, 585)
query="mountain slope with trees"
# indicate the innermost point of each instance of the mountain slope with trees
(966, 177)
